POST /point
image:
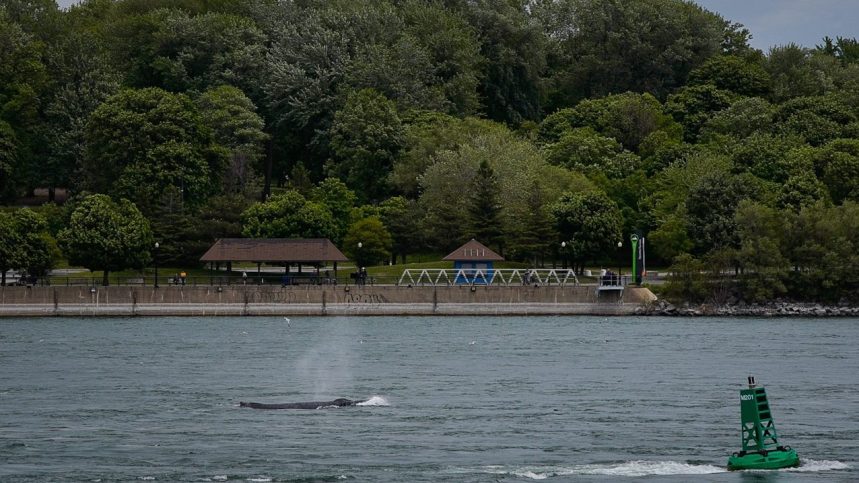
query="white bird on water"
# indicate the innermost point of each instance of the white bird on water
(287, 320)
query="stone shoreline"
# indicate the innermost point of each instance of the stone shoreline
(775, 309)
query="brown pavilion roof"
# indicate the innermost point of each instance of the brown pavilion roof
(473, 251)
(273, 250)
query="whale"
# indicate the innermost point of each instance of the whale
(340, 402)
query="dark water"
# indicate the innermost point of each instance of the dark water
(459, 399)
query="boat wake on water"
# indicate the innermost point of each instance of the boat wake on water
(641, 468)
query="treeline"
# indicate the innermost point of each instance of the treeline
(414, 125)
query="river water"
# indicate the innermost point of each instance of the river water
(468, 399)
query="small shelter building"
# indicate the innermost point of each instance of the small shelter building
(286, 252)
(474, 263)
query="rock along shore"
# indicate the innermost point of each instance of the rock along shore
(662, 307)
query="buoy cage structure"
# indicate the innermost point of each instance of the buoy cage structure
(761, 448)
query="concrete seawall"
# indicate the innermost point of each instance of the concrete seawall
(317, 300)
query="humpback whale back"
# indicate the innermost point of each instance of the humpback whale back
(340, 402)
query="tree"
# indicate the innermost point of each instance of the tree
(671, 238)
(233, 120)
(8, 161)
(21, 245)
(600, 47)
(710, 207)
(374, 239)
(22, 89)
(773, 158)
(516, 163)
(142, 142)
(745, 117)
(484, 210)
(629, 118)
(823, 251)
(530, 232)
(842, 48)
(582, 149)
(106, 235)
(431, 60)
(816, 119)
(688, 279)
(453, 49)
(289, 215)
(84, 79)
(170, 49)
(590, 223)
(401, 217)
(11, 255)
(694, 106)
(426, 134)
(514, 49)
(37, 247)
(366, 137)
(838, 165)
(795, 72)
(801, 190)
(761, 232)
(339, 199)
(731, 73)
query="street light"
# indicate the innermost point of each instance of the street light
(619, 263)
(564, 254)
(358, 263)
(155, 257)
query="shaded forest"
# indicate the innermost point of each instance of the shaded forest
(415, 125)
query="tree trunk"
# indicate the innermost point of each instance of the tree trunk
(52, 194)
(2, 277)
(105, 281)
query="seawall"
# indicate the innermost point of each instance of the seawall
(317, 300)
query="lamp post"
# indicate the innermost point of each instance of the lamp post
(359, 263)
(155, 257)
(619, 263)
(564, 254)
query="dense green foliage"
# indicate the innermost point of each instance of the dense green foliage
(106, 235)
(24, 243)
(415, 125)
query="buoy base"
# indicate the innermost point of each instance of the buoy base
(764, 460)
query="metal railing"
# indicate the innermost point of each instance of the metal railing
(505, 277)
(413, 277)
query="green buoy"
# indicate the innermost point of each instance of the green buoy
(761, 449)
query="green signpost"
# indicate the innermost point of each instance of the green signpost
(636, 279)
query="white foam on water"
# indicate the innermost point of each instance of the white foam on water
(220, 477)
(809, 465)
(627, 468)
(375, 401)
(649, 468)
(261, 479)
(646, 468)
(531, 475)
